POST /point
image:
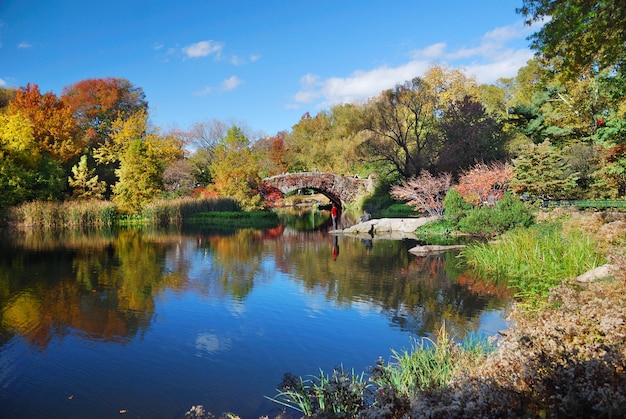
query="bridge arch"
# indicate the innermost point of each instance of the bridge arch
(340, 189)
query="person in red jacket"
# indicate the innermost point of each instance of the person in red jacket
(333, 215)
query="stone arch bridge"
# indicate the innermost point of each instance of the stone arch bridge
(340, 189)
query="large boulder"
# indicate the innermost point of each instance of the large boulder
(600, 272)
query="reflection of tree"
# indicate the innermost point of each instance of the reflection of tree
(104, 291)
(417, 293)
(236, 260)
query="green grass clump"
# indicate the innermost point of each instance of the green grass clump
(534, 260)
(429, 364)
(166, 212)
(397, 211)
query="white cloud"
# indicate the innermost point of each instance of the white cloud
(2, 83)
(230, 83)
(24, 44)
(203, 49)
(157, 46)
(492, 58)
(237, 60)
(203, 92)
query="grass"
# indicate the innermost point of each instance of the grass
(429, 364)
(341, 394)
(222, 219)
(534, 260)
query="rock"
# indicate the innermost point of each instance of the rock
(387, 225)
(593, 275)
(422, 250)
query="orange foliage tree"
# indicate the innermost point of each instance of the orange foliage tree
(484, 183)
(54, 129)
(97, 103)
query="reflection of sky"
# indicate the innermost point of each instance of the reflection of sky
(211, 342)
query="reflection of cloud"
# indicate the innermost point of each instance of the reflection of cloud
(497, 55)
(237, 309)
(211, 343)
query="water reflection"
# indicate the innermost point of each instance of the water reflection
(248, 305)
(104, 286)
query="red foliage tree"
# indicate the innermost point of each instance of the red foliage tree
(425, 192)
(96, 103)
(484, 183)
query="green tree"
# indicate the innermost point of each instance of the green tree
(542, 171)
(140, 177)
(580, 34)
(469, 135)
(25, 173)
(84, 182)
(236, 170)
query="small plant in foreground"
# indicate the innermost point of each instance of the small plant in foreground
(428, 365)
(342, 394)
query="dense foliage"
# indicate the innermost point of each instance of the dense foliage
(557, 130)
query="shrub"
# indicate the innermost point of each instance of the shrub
(506, 215)
(455, 207)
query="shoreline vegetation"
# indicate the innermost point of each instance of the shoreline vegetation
(217, 212)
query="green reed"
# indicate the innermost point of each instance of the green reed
(534, 260)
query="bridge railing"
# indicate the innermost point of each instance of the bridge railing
(592, 204)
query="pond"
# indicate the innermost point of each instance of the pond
(148, 323)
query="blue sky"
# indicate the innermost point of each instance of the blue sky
(262, 63)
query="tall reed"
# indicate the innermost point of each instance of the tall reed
(534, 260)
(55, 215)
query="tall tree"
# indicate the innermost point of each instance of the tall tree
(469, 136)
(580, 34)
(235, 170)
(140, 177)
(401, 127)
(97, 103)
(54, 129)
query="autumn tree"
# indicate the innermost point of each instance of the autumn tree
(138, 154)
(401, 124)
(235, 170)
(96, 103)
(328, 141)
(140, 177)
(579, 34)
(425, 192)
(54, 129)
(484, 183)
(25, 172)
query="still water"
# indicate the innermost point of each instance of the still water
(148, 323)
